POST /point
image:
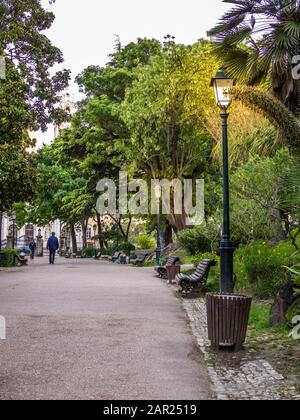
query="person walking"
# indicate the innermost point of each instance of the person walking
(52, 246)
(32, 247)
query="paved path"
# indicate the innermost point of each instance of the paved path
(92, 330)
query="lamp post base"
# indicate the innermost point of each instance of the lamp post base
(227, 275)
(158, 254)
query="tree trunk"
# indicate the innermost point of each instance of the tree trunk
(84, 230)
(297, 96)
(101, 242)
(279, 234)
(124, 233)
(168, 234)
(74, 240)
(178, 222)
(282, 303)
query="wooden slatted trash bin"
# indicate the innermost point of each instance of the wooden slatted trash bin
(227, 317)
(172, 271)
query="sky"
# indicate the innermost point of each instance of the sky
(85, 30)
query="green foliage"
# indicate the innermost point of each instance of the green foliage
(107, 251)
(151, 263)
(278, 114)
(16, 170)
(29, 95)
(127, 248)
(194, 240)
(164, 111)
(260, 268)
(145, 242)
(61, 191)
(260, 316)
(290, 200)
(293, 311)
(157, 110)
(256, 41)
(23, 25)
(89, 252)
(256, 191)
(7, 258)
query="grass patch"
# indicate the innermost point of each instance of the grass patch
(259, 316)
(149, 264)
(274, 343)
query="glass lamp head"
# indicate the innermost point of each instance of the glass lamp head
(222, 84)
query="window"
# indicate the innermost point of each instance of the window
(29, 232)
(89, 233)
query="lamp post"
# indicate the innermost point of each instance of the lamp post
(68, 244)
(157, 192)
(95, 229)
(227, 313)
(13, 218)
(222, 84)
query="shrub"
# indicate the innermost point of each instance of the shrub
(194, 240)
(127, 248)
(7, 258)
(109, 250)
(89, 252)
(145, 242)
(260, 267)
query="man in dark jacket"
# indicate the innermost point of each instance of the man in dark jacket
(32, 247)
(52, 246)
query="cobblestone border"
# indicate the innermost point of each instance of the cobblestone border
(238, 376)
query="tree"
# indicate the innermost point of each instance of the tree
(279, 116)
(257, 40)
(98, 140)
(166, 142)
(257, 188)
(172, 118)
(26, 48)
(29, 94)
(16, 170)
(60, 194)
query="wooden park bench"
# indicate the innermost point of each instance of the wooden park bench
(21, 260)
(162, 271)
(196, 282)
(115, 257)
(139, 259)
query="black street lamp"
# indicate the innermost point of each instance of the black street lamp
(227, 313)
(157, 191)
(222, 84)
(95, 229)
(13, 218)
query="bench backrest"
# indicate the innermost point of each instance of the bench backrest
(204, 267)
(172, 261)
(142, 257)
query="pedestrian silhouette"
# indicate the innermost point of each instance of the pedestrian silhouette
(52, 246)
